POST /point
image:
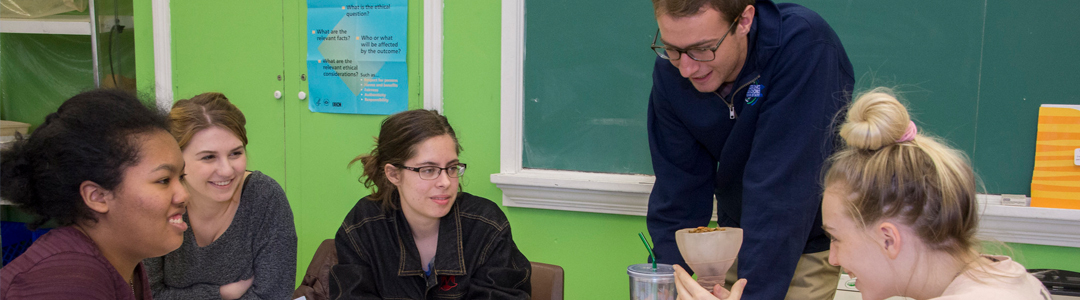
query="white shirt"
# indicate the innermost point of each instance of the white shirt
(1003, 278)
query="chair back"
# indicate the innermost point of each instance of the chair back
(547, 281)
(316, 282)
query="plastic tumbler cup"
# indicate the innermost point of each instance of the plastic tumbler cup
(647, 283)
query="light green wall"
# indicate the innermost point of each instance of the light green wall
(144, 48)
(1041, 256)
(594, 249)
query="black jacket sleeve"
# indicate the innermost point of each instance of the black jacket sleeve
(353, 276)
(504, 272)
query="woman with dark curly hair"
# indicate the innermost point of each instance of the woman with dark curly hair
(106, 170)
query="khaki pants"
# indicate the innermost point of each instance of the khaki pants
(814, 278)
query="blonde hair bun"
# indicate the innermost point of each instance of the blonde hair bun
(875, 119)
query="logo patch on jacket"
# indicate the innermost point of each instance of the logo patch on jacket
(447, 282)
(755, 92)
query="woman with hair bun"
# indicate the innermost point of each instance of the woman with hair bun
(900, 210)
(106, 170)
(418, 236)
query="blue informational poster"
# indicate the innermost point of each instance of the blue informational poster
(356, 56)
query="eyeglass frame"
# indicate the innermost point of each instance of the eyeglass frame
(441, 170)
(731, 28)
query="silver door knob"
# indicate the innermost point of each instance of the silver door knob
(277, 94)
(302, 95)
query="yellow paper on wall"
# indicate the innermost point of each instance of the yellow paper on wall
(1055, 182)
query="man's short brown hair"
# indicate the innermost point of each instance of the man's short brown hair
(730, 9)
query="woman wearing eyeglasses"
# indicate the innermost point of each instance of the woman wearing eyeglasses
(417, 236)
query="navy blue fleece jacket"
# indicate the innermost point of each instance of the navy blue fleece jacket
(764, 167)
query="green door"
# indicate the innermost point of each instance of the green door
(236, 48)
(320, 145)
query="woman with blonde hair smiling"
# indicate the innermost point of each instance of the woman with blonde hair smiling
(900, 209)
(242, 242)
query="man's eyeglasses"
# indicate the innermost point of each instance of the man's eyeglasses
(432, 172)
(698, 54)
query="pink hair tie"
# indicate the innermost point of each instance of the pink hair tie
(909, 134)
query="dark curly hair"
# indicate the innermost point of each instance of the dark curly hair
(91, 137)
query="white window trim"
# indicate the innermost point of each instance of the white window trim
(629, 194)
(433, 55)
(163, 83)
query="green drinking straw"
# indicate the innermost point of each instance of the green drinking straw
(647, 247)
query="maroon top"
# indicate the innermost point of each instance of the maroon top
(66, 264)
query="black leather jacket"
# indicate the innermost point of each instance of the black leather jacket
(476, 256)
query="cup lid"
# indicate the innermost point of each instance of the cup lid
(662, 270)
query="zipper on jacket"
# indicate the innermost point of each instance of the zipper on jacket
(731, 104)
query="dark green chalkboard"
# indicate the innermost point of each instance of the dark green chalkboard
(588, 71)
(973, 72)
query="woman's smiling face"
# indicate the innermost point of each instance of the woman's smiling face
(421, 198)
(216, 161)
(149, 202)
(853, 246)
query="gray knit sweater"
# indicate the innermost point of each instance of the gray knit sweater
(260, 242)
